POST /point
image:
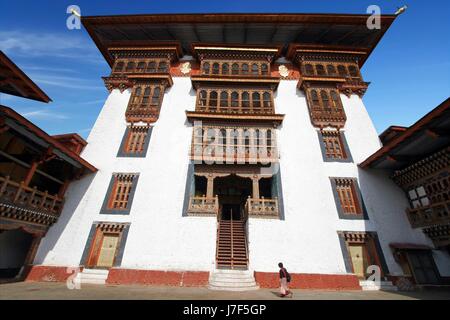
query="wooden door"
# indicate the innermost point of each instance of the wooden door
(423, 268)
(359, 259)
(107, 250)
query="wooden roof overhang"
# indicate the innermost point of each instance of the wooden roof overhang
(273, 119)
(235, 80)
(266, 29)
(428, 135)
(15, 82)
(22, 126)
(218, 50)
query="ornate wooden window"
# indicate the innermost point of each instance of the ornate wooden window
(325, 107)
(235, 100)
(342, 70)
(130, 66)
(333, 145)
(237, 67)
(151, 67)
(348, 198)
(205, 68)
(135, 141)
(141, 66)
(120, 193)
(215, 68)
(331, 69)
(162, 67)
(119, 67)
(145, 102)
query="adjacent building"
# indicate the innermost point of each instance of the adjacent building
(35, 171)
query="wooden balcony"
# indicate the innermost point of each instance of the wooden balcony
(203, 206)
(18, 201)
(262, 208)
(434, 214)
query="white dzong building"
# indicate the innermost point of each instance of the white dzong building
(233, 142)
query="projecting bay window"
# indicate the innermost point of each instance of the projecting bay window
(234, 144)
(135, 141)
(348, 198)
(334, 146)
(145, 103)
(246, 68)
(235, 101)
(325, 107)
(119, 196)
(127, 66)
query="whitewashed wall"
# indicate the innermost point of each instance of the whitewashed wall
(161, 239)
(307, 241)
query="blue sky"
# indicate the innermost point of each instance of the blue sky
(409, 71)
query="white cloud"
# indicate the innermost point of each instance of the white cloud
(29, 44)
(43, 114)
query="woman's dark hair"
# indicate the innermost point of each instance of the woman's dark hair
(280, 265)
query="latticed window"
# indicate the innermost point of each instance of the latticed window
(215, 67)
(136, 139)
(121, 190)
(325, 106)
(119, 67)
(333, 145)
(331, 70)
(320, 70)
(228, 100)
(348, 198)
(145, 102)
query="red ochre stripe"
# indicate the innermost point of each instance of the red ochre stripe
(200, 278)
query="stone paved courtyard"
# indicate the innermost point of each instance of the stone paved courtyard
(34, 290)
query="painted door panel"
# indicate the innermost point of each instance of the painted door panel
(359, 261)
(107, 251)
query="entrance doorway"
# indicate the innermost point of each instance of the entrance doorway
(233, 192)
(14, 248)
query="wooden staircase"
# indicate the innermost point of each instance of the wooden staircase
(231, 252)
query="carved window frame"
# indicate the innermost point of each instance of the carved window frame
(162, 65)
(327, 136)
(343, 184)
(266, 103)
(129, 180)
(132, 133)
(207, 69)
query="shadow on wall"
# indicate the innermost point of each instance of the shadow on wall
(386, 203)
(73, 199)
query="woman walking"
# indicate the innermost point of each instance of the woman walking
(285, 278)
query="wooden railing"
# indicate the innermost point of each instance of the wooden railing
(263, 208)
(434, 214)
(17, 194)
(203, 206)
(241, 153)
